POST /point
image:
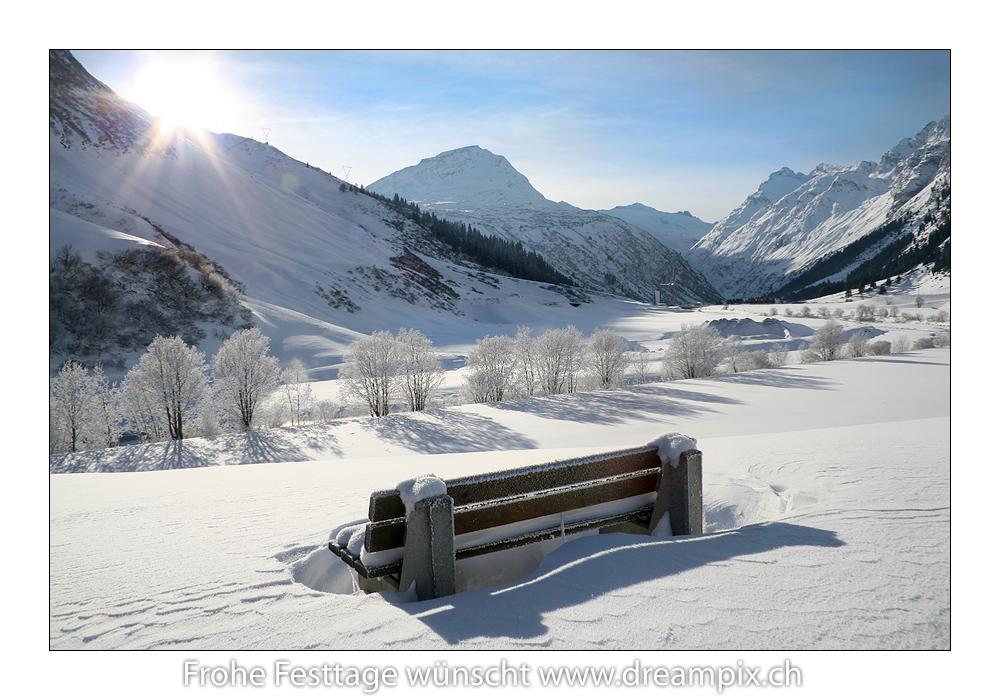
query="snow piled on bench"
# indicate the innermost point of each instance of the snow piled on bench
(670, 447)
(419, 488)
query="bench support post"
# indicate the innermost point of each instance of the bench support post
(429, 548)
(679, 493)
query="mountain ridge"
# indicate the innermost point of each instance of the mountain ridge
(317, 261)
(475, 186)
(794, 219)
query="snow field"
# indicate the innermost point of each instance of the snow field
(832, 532)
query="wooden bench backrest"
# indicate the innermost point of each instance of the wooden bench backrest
(501, 498)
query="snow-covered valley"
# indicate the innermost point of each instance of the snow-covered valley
(828, 485)
(827, 512)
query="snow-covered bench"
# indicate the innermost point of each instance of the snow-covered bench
(417, 531)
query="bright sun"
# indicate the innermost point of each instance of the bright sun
(183, 92)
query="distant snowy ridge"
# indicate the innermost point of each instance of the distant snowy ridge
(474, 186)
(794, 219)
(679, 231)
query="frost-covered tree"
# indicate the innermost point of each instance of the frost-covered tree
(526, 360)
(732, 350)
(168, 383)
(72, 409)
(491, 367)
(879, 347)
(139, 407)
(857, 345)
(640, 363)
(607, 358)
(373, 371)
(244, 374)
(560, 354)
(753, 359)
(694, 351)
(296, 392)
(827, 341)
(422, 373)
(777, 355)
(107, 408)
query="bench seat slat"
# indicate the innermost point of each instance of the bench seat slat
(387, 505)
(638, 515)
(390, 534)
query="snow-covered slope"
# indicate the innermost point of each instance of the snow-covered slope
(826, 492)
(482, 189)
(794, 219)
(678, 231)
(317, 261)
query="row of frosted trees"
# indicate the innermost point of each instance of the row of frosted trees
(384, 370)
(556, 362)
(170, 393)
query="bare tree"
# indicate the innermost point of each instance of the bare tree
(694, 351)
(139, 406)
(857, 344)
(827, 341)
(559, 359)
(422, 373)
(72, 408)
(732, 349)
(778, 355)
(607, 358)
(639, 359)
(106, 405)
(526, 354)
(244, 374)
(296, 391)
(491, 369)
(172, 381)
(373, 371)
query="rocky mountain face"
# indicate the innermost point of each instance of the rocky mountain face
(794, 220)
(476, 187)
(86, 113)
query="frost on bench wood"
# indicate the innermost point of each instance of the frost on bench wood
(418, 531)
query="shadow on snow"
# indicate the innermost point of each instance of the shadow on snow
(589, 568)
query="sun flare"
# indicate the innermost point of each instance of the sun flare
(183, 92)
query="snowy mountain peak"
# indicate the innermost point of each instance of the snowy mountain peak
(793, 219)
(461, 176)
(476, 187)
(678, 231)
(780, 183)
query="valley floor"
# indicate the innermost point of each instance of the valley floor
(827, 508)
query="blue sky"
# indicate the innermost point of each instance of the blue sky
(675, 130)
